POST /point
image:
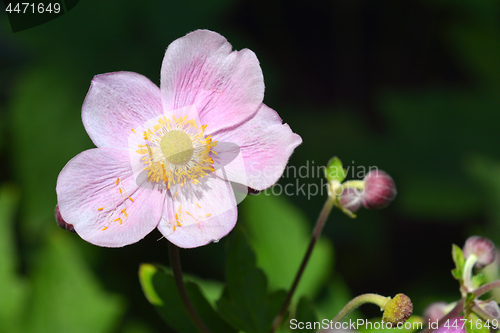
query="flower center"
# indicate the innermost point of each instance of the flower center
(176, 151)
(177, 147)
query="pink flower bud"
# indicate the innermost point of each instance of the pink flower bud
(350, 199)
(482, 247)
(435, 311)
(453, 326)
(61, 222)
(379, 190)
(490, 307)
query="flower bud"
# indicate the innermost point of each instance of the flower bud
(252, 191)
(379, 189)
(61, 222)
(482, 247)
(455, 325)
(350, 199)
(435, 311)
(490, 307)
(398, 310)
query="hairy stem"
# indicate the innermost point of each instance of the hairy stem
(320, 223)
(487, 287)
(181, 288)
(356, 302)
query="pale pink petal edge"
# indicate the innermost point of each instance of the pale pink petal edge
(115, 104)
(266, 145)
(88, 182)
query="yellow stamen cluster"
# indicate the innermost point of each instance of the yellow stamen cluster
(176, 151)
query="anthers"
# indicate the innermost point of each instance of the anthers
(112, 213)
(192, 219)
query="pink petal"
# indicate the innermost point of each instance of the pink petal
(89, 182)
(116, 103)
(266, 145)
(206, 211)
(228, 163)
(200, 69)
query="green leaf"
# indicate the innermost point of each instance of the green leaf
(477, 280)
(469, 298)
(334, 170)
(476, 325)
(66, 297)
(280, 234)
(457, 274)
(306, 313)
(246, 303)
(211, 289)
(459, 260)
(14, 289)
(159, 287)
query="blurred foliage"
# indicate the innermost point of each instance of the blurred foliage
(272, 243)
(246, 303)
(59, 295)
(410, 87)
(159, 287)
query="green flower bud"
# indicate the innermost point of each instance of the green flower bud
(398, 310)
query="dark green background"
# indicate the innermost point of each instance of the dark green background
(410, 87)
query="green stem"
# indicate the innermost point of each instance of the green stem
(468, 267)
(360, 300)
(481, 313)
(487, 287)
(359, 184)
(175, 261)
(320, 223)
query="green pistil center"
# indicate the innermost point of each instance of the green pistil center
(177, 147)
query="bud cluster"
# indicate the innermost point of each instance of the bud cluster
(375, 191)
(477, 252)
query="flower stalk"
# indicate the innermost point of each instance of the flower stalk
(181, 288)
(356, 302)
(348, 197)
(396, 310)
(320, 223)
(469, 265)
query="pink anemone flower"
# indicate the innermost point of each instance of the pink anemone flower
(173, 157)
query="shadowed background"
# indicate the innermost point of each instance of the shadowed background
(411, 88)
